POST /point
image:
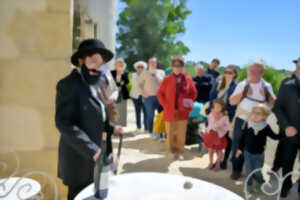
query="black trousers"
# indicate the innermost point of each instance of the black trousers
(277, 163)
(228, 148)
(289, 149)
(237, 163)
(74, 190)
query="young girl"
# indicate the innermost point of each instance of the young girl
(253, 142)
(218, 125)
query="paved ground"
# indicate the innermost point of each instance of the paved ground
(140, 153)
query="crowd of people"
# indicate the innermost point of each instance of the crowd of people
(93, 100)
(236, 113)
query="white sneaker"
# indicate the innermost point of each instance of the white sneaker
(155, 136)
(180, 157)
(139, 130)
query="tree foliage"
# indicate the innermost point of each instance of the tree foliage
(151, 28)
(271, 75)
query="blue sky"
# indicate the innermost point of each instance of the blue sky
(241, 31)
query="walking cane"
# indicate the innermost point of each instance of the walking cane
(115, 167)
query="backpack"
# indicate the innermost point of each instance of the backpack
(245, 91)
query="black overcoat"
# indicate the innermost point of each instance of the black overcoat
(79, 119)
(287, 105)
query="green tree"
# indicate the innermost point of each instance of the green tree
(151, 28)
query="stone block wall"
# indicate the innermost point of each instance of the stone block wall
(36, 44)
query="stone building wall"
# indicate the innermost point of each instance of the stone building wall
(36, 38)
(36, 44)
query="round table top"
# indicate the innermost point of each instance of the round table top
(30, 188)
(159, 186)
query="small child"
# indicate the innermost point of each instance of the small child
(253, 142)
(218, 126)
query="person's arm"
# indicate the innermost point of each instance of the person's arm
(161, 76)
(125, 78)
(272, 135)
(279, 108)
(109, 127)
(224, 128)
(241, 145)
(213, 95)
(231, 108)
(208, 84)
(235, 99)
(210, 123)
(141, 82)
(243, 139)
(272, 97)
(193, 90)
(66, 110)
(113, 91)
(237, 95)
(161, 93)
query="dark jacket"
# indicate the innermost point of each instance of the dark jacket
(214, 73)
(255, 144)
(203, 86)
(287, 105)
(78, 118)
(214, 94)
(124, 78)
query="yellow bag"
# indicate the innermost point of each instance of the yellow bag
(159, 123)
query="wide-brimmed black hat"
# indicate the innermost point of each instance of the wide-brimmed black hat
(296, 61)
(91, 46)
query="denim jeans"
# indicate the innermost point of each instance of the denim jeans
(253, 162)
(237, 163)
(139, 108)
(151, 104)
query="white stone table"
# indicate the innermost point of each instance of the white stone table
(28, 188)
(159, 186)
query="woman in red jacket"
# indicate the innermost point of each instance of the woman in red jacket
(177, 94)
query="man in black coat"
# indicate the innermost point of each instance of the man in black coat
(81, 116)
(287, 111)
(203, 84)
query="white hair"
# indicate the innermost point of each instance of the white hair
(259, 64)
(122, 61)
(199, 66)
(138, 63)
(153, 58)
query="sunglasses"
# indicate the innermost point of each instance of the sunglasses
(140, 67)
(229, 72)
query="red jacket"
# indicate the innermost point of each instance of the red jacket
(166, 96)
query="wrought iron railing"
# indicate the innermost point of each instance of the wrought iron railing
(18, 184)
(268, 184)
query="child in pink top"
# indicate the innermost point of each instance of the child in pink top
(218, 126)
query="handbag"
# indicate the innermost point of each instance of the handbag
(112, 110)
(186, 104)
(113, 113)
